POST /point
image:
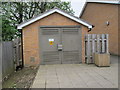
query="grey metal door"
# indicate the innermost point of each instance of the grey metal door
(71, 45)
(60, 45)
(50, 54)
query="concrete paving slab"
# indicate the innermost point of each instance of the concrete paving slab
(77, 76)
(66, 85)
(38, 85)
(52, 85)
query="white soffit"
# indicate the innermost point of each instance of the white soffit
(105, 1)
(20, 26)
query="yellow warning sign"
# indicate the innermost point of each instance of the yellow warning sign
(51, 42)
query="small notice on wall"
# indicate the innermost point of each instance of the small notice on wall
(51, 41)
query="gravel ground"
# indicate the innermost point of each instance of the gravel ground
(21, 79)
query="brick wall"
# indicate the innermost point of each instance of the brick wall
(31, 47)
(97, 14)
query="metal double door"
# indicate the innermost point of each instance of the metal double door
(60, 45)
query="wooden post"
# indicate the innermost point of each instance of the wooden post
(98, 43)
(93, 47)
(16, 52)
(93, 43)
(103, 43)
(107, 43)
(88, 48)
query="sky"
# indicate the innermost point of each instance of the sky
(77, 6)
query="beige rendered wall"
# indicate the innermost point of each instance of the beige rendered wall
(97, 14)
(31, 37)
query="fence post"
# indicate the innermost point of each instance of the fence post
(107, 43)
(93, 47)
(17, 51)
(103, 43)
(88, 48)
(98, 43)
(93, 43)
